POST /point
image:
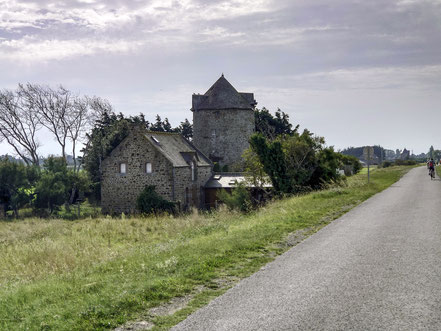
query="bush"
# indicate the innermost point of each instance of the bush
(238, 199)
(150, 202)
(352, 162)
(405, 162)
(386, 164)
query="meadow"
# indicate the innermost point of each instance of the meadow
(100, 273)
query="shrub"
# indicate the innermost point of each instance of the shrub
(296, 161)
(405, 162)
(386, 164)
(150, 202)
(238, 199)
(351, 161)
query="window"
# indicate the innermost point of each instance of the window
(122, 168)
(148, 168)
(193, 171)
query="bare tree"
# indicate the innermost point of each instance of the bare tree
(53, 108)
(79, 120)
(98, 107)
(19, 123)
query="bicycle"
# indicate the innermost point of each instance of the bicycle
(432, 173)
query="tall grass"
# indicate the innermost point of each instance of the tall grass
(99, 273)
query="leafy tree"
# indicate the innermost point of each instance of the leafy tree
(52, 189)
(16, 182)
(150, 202)
(297, 161)
(272, 157)
(272, 126)
(254, 170)
(58, 185)
(186, 129)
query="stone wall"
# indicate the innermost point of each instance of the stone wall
(120, 191)
(187, 192)
(223, 135)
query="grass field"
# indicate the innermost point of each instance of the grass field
(100, 273)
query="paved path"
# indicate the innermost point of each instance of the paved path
(376, 268)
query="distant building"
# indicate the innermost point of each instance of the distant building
(223, 121)
(405, 155)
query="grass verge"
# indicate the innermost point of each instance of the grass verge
(100, 273)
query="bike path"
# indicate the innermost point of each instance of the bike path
(377, 267)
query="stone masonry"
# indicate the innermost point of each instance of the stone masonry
(171, 157)
(223, 121)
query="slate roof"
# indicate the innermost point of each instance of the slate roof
(176, 148)
(222, 95)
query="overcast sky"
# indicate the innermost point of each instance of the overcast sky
(356, 72)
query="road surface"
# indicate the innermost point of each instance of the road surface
(378, 267)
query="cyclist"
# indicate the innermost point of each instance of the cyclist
(431, 166)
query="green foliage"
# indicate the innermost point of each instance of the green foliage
(358, 151)
(52, 189)
(405, 162)
(56, 184)
(238, 199)
(98, 274)
(352, 161)
(16, 182)
(186, 129)
(216, 167)
(254, 170)
(109, 131)
(150, 202)
(387, 164)
(297, 161)
(272, 126)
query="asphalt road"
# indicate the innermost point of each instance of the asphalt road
(376, 268)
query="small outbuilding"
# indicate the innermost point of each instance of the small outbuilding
(177, 169)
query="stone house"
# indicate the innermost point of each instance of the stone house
(223, 121)
(177, 169)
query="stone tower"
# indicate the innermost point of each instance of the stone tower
(223, 121)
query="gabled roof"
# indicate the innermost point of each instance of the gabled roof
(176, 149)
(222, 95)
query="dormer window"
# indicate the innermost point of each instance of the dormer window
(148, 168)
(123, 168)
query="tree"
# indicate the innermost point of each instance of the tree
(297, 161)
(19, 124)
(254, 170)
(272, 126)
(53, 108)
(57, 183)
(16, 182)
(186, 129)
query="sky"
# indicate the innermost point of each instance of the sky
(355, 72)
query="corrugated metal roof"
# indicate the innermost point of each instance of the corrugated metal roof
(229, 180)
(176, 148)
